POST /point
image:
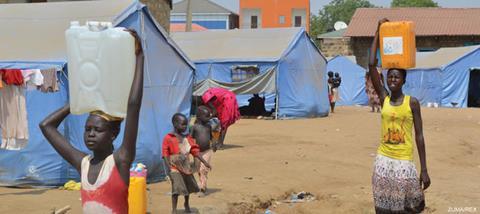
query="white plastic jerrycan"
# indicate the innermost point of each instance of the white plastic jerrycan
(101, 65)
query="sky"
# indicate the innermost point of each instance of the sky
(316, 5)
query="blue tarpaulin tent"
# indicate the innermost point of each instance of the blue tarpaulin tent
(443, 76)
(352, 89)
(280, 61)
(33, 37)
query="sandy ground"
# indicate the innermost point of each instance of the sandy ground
(330, 157)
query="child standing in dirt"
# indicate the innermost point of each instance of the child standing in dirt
(176, 149)
(202, 133)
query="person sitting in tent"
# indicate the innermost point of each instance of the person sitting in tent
(223, 104)
(256, 107)
(396, 186)
(105, 176)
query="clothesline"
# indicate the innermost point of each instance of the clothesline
(44, 80)
(13, 111)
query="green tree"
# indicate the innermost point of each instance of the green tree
(413, 3)
(336, 10)
(314, 26)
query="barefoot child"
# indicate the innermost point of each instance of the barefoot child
(105, 176)
(175, 150)
(202, 133)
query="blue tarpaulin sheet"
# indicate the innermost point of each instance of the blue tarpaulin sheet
(425, 85)
(447, 85)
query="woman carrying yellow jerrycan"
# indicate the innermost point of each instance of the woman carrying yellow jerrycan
(396, 186)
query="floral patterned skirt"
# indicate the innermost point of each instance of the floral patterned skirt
(396, 187)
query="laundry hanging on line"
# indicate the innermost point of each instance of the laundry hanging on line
(13, 111)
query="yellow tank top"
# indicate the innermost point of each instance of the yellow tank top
(397, 123)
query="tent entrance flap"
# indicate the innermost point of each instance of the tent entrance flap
(474, 88)
(263, 83)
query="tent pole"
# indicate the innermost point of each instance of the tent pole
(276, 105)
(276, 93)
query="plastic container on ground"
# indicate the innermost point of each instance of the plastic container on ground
(137, 191)
(397, 44)
(137, 195)
(101, 65)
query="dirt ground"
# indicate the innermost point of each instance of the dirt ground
(331, 157)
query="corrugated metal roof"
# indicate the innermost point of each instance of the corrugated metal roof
(443, 56)
(428, 21)
(180, 27)
(246, 44)
(200, 6)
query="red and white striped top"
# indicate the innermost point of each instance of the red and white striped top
(109, 193)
